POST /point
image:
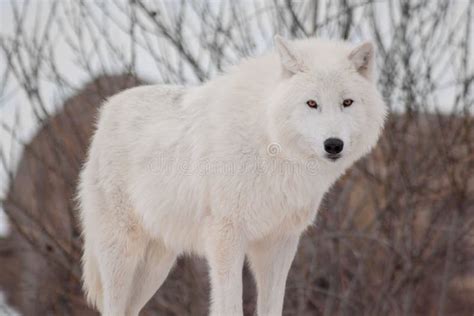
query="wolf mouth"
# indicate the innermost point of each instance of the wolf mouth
(333, 157)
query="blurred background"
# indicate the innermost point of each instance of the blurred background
(395, 236)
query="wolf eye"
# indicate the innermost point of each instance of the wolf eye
(347, 102)
(312, 104)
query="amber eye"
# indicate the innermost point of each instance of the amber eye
(347, 102)
(312, 104)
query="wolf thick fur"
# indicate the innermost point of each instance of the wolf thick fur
(235, 167)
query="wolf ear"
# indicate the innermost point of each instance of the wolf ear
(290, 61)
(363, 57)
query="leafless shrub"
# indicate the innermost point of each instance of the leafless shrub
(394, 237)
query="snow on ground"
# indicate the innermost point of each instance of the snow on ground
(5, 310)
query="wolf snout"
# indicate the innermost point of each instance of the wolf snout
(333, 146)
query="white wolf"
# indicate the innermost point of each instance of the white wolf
(230, 169)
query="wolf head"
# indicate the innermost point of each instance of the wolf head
(326, 104)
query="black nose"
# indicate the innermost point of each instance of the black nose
(333, 146)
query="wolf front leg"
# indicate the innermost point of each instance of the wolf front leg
(270, 260)
(225, 255)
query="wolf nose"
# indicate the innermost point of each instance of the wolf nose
(333, 146)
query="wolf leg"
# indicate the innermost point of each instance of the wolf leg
(120, 245)
(117, 265)
(150, 274)
(225, 255)
(270, 260)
